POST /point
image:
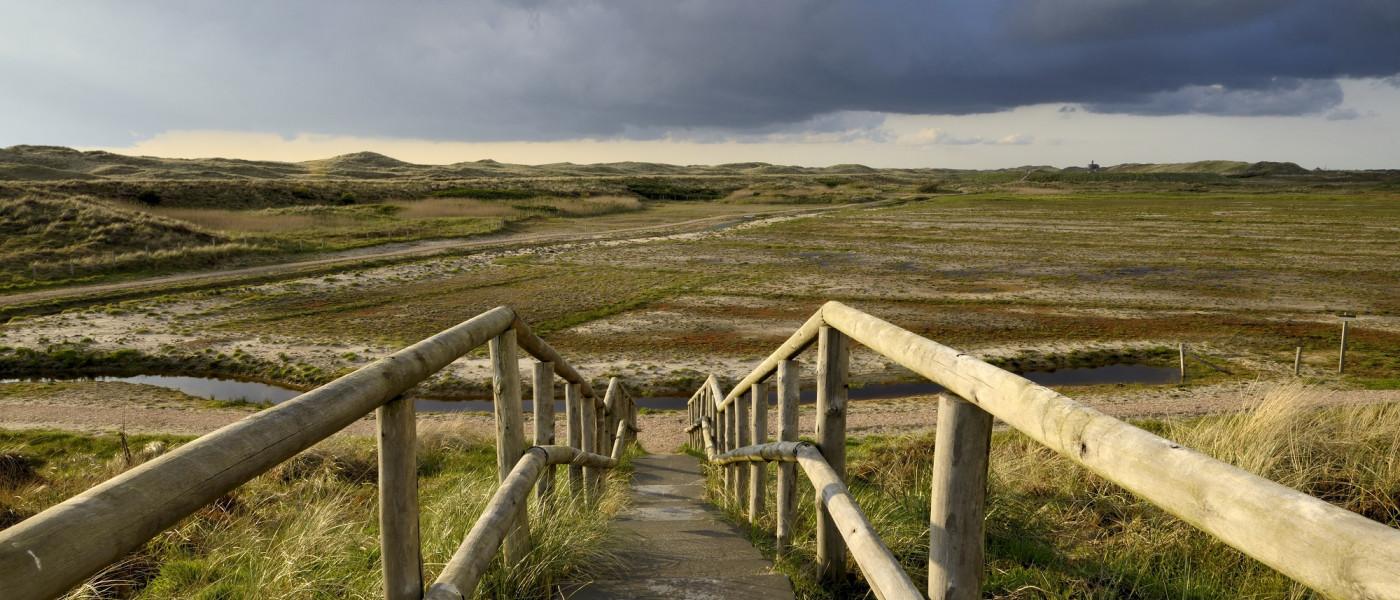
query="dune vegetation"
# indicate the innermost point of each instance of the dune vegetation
(48, 241)
(1054, 530)
(308, 528)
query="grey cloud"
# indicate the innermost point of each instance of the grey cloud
(941, 137)
(1343, 114)
(99, 73)
(1280, 97)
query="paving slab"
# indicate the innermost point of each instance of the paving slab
(672, 544)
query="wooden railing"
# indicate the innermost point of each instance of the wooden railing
(1329, 549)
(49, 553)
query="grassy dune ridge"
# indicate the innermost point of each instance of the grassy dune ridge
(49, 241)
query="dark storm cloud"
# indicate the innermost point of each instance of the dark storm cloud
(103, 72)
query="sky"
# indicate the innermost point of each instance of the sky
(887, 83)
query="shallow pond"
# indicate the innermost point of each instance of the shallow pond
(252, 391)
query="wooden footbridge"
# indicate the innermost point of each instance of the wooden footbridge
(677, 545)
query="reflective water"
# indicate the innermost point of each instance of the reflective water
(202, 387)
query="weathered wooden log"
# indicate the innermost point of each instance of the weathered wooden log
(573, 434)
(1335, 552)
(879, 566)
(795, 344)
(789, 392)
(542, 351)
(612, 411)
(620, 440)
(741, 439)
(542, 388)
(833, 366)
(601, 436)
(957, 503)
(48, 553)
(399, 548)
(463, 571)
(758, 434)
(510, 431)
(591, 476)
(708, 438)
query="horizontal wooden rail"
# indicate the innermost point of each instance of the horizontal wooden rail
(881, 569)
(1331, 550)
(537, 348)
(45, 555)
(464, 570)
(795, 344)
(49, 553)
(709, 435)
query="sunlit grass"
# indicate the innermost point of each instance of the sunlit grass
(1054, 530)
(309, 528)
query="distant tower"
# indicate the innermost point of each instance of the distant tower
(1093, 166)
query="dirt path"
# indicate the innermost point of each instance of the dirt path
(98, 407)
(377, 254)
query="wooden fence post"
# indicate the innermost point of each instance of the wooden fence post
(741, 439)
(693, 420)
(758, 434)
(573, 433)
(510, 431)
(543, 389)
(833, 368)
(1342, 352)
(399, 547)
(612, 411)
(1297, 361)
(731, 431)
(601, 435)
(589, 416)
(957, 504)
(789, 392)
(1181, 355)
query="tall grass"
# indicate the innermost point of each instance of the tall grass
(309, 528)
(1054, 530)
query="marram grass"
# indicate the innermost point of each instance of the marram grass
(309, 528)
(1054, 530)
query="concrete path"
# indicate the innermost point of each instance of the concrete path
(675, 545)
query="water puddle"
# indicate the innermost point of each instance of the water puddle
(229, 390)
(251, 391)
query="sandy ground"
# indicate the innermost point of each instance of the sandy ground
(109, 406)
(180, 321)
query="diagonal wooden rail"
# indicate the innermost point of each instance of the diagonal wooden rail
(1331, 550)
(49, 553)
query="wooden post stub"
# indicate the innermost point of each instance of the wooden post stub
(957, 504)
(1181, 356)
(543, 400)
(758, 434)
(741, 472)
(510, 430)
(833, 368)
(789, 392)
(589, 416)
(1342, 352)
(399, 547)
(573, 433)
